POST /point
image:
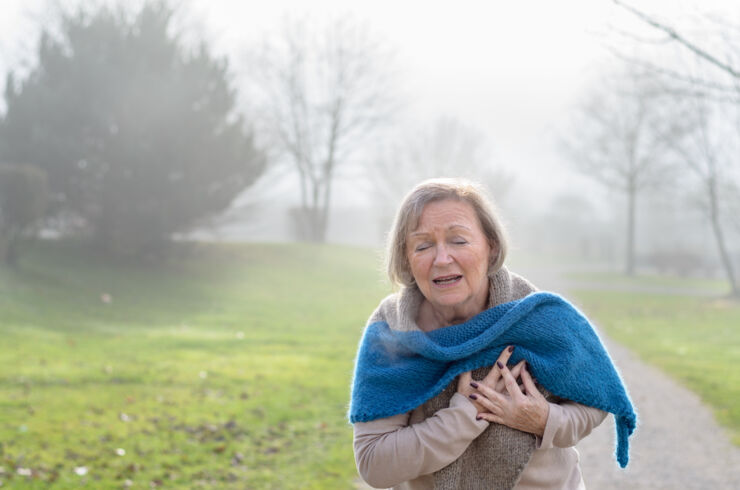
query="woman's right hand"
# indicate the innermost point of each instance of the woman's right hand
(494, 380)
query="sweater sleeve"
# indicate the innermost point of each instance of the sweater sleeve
(567, 423)
(388, 451)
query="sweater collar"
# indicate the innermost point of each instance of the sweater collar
(403, 309)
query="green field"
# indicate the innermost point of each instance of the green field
(695, 340)
(716, 287)
(227, 369)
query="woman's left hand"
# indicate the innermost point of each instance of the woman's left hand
(524, 410)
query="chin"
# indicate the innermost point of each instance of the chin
(451, 301)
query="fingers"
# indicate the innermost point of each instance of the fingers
(511, 385)
(488, 393)
(490, 404)
(512, 407)
(517, 368)
(529, 383)
(465, 388)
(494, 374)
(490, 417)
(464, 383)
(515, 371)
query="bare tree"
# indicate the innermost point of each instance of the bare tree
(446, 148)
(616, 138)
(709, 151)
(711, 90)
(324, 91)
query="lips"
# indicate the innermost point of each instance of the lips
(447, 280)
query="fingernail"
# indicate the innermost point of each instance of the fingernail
(478, 417)
(511, 348)
(499, 364)
(473, 396)
(474, 384)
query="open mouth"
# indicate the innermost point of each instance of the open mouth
(447, 280)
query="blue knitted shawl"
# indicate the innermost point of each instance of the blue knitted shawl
(397, 371)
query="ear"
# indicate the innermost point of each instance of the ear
(494, 251)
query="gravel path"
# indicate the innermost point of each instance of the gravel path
(677, 445)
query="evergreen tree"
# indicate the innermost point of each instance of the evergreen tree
(138, 134)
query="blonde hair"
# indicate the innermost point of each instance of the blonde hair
(409, 214)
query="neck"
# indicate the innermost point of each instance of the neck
(438, 316)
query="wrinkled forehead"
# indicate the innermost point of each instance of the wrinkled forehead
(454, 208)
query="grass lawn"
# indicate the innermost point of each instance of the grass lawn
(696, 340)
(711, 286)
(228, 370)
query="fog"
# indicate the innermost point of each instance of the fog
(513, 75)
(195, 196)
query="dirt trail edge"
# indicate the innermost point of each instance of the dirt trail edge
(678, 443)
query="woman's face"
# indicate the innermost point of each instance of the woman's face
(449, 255)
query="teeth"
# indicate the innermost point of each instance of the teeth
(451, 279)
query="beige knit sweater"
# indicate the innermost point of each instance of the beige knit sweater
(440, 444)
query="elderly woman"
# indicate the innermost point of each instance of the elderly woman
(435, 403)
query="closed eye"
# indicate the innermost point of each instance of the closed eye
(422, 246)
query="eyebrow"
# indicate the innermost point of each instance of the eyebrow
(416, 233)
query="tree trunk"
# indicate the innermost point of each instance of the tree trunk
(10, 237)
(4, 247)
(629, 266)
(719, 236)
(11, 253)
(318, 234)
(325, 209)
(316, 215)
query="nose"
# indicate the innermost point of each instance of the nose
(442, 256)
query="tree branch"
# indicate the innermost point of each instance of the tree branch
(673, 34)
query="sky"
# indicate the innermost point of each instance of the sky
(511, 69)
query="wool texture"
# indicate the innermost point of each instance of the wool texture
(399, 369)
